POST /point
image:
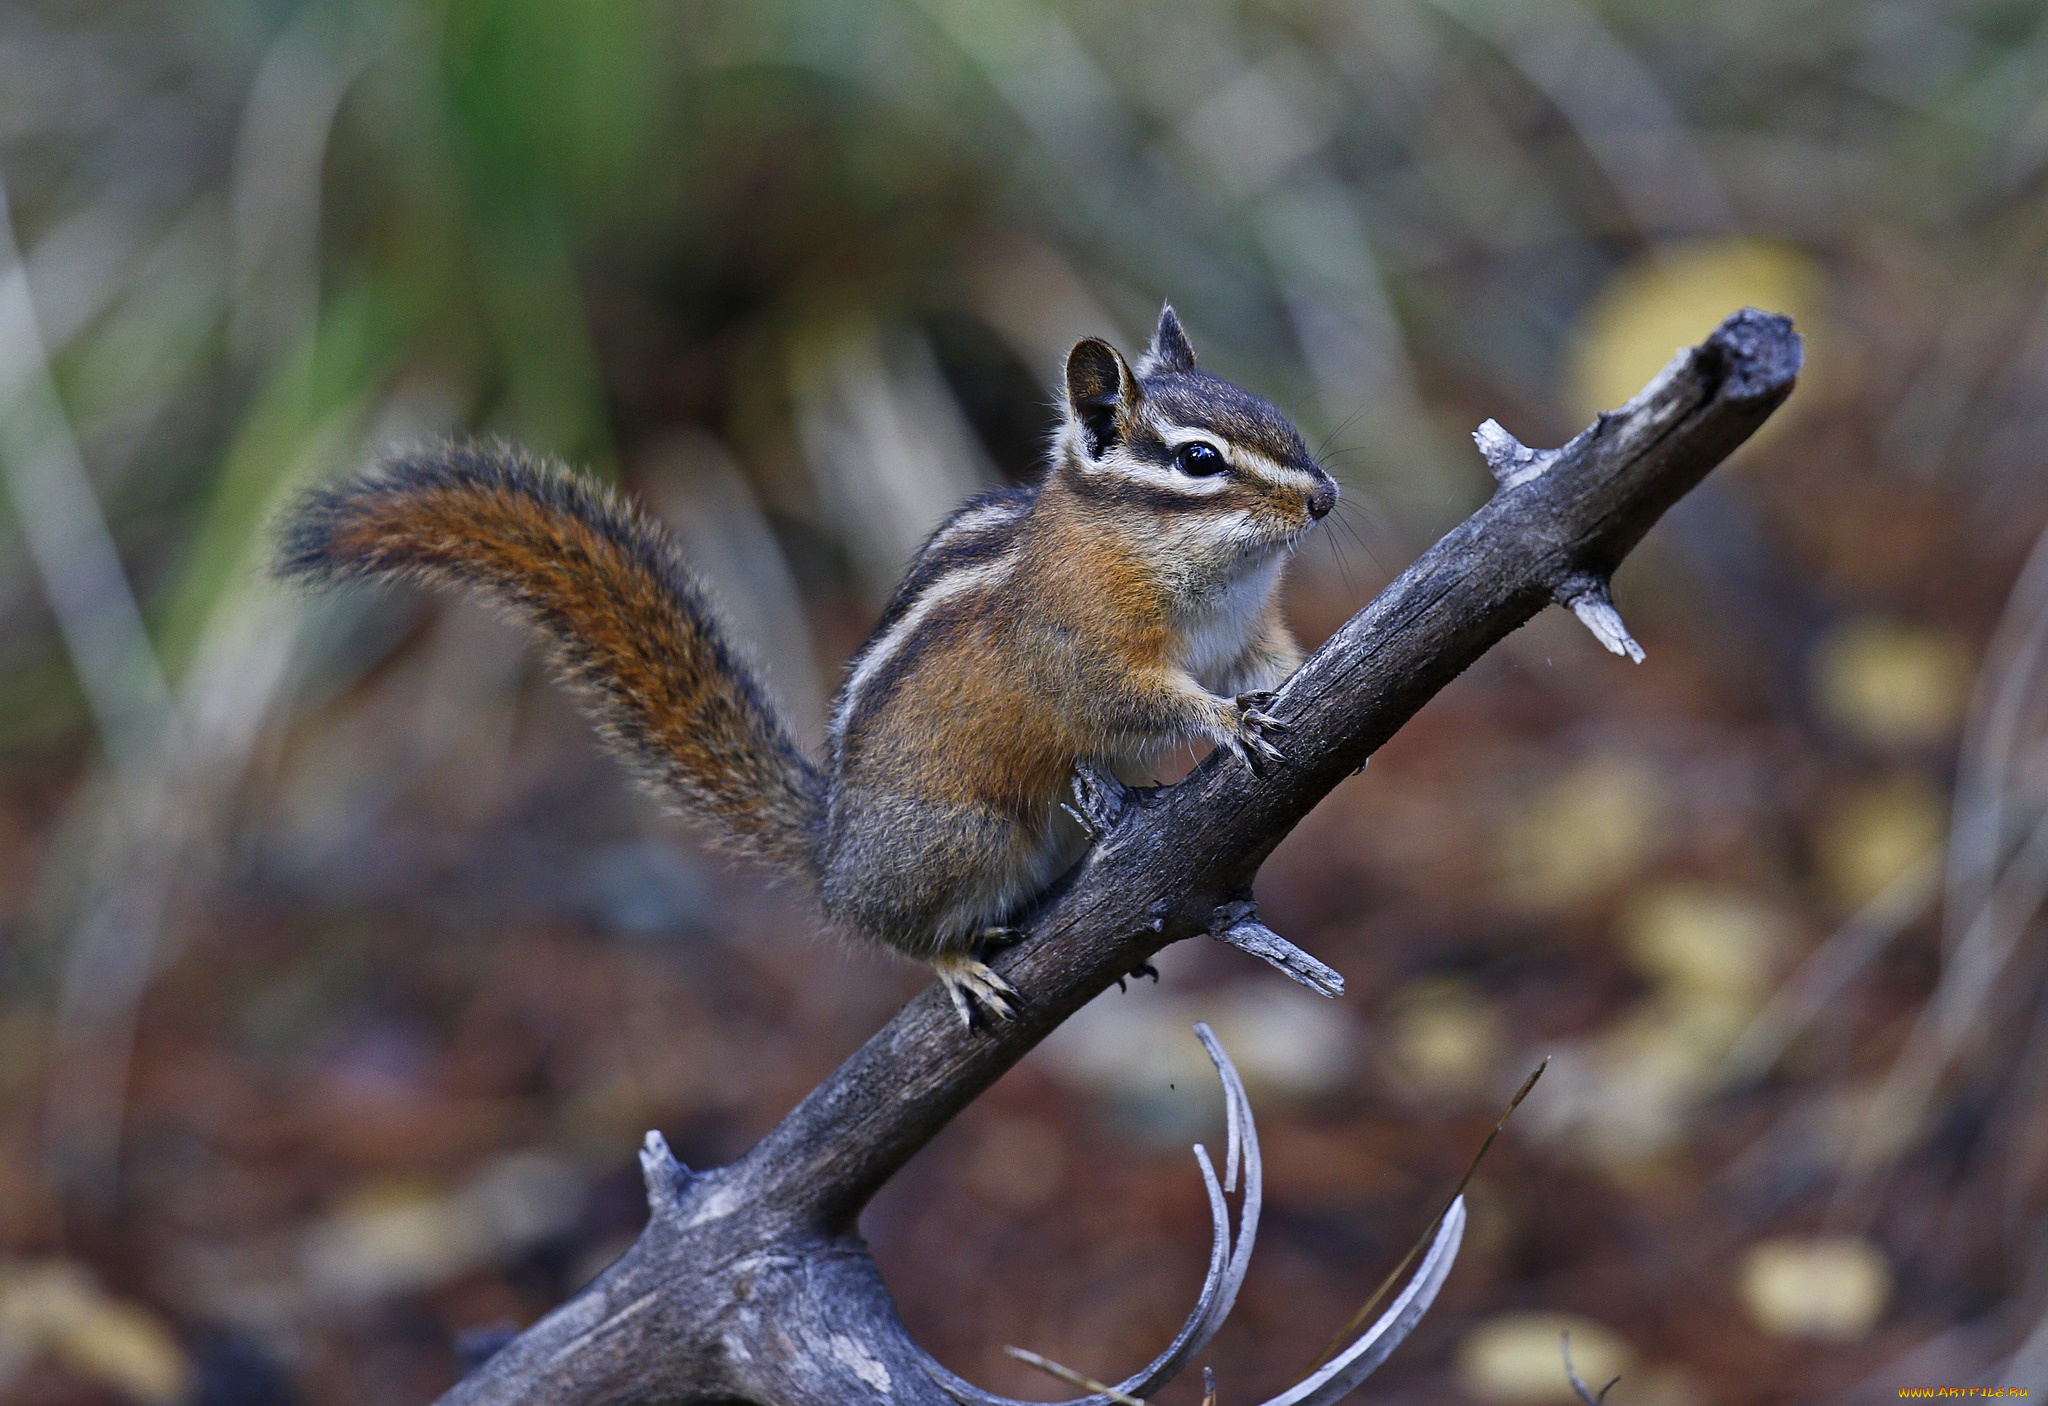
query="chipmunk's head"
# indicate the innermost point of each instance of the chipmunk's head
(1205, 469)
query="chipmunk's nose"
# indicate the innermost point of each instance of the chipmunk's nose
(1322, 498)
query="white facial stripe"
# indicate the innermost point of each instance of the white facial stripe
(1129, 466)
(1272, 469)
(1195, 537)
(980, 517)
(878, 654)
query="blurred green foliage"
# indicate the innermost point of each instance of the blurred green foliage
(262, 226)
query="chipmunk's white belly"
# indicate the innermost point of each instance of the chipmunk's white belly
(1214, 634)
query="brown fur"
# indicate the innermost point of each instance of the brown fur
(625, 624)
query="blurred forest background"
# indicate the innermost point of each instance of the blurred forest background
(340, 973)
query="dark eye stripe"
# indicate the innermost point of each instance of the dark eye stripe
(1152, 497)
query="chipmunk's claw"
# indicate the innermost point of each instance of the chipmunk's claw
(1254, 705)
(1251, 743)
(1142, 969)
(969, 982)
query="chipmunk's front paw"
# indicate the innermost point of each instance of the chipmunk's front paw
(968, 982)
(1099, 800)
(1252, 741)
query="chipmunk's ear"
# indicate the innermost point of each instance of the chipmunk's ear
(1102, 394)
(1170, 349)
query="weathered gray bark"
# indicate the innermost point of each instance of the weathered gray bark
(751, 1282)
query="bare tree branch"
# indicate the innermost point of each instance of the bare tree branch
(751, 1282)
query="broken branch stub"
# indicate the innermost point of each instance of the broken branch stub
(1236, 924)
(1588, 597)
(1513, 462)
(751, 1282)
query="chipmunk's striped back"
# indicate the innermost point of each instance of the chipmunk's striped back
(973, 551)
(626, 624)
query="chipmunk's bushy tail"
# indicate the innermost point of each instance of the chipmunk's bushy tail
(625, 622)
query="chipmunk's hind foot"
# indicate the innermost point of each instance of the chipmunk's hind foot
(970, 982)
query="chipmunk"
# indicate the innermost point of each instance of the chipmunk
(1046, 637)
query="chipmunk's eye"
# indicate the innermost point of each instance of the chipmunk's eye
(1198, 459)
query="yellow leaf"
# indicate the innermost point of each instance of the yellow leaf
(1519, 1357)
(1830, 1287)
(58, 1310)
(1704, 941)
(1444, 1040)
(1585, 832)
(1892, 684)
(1876, 834)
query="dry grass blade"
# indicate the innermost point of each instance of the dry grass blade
(1358, 1319)
(1361, 1358)
(1845, 955)
(1073, 1378)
